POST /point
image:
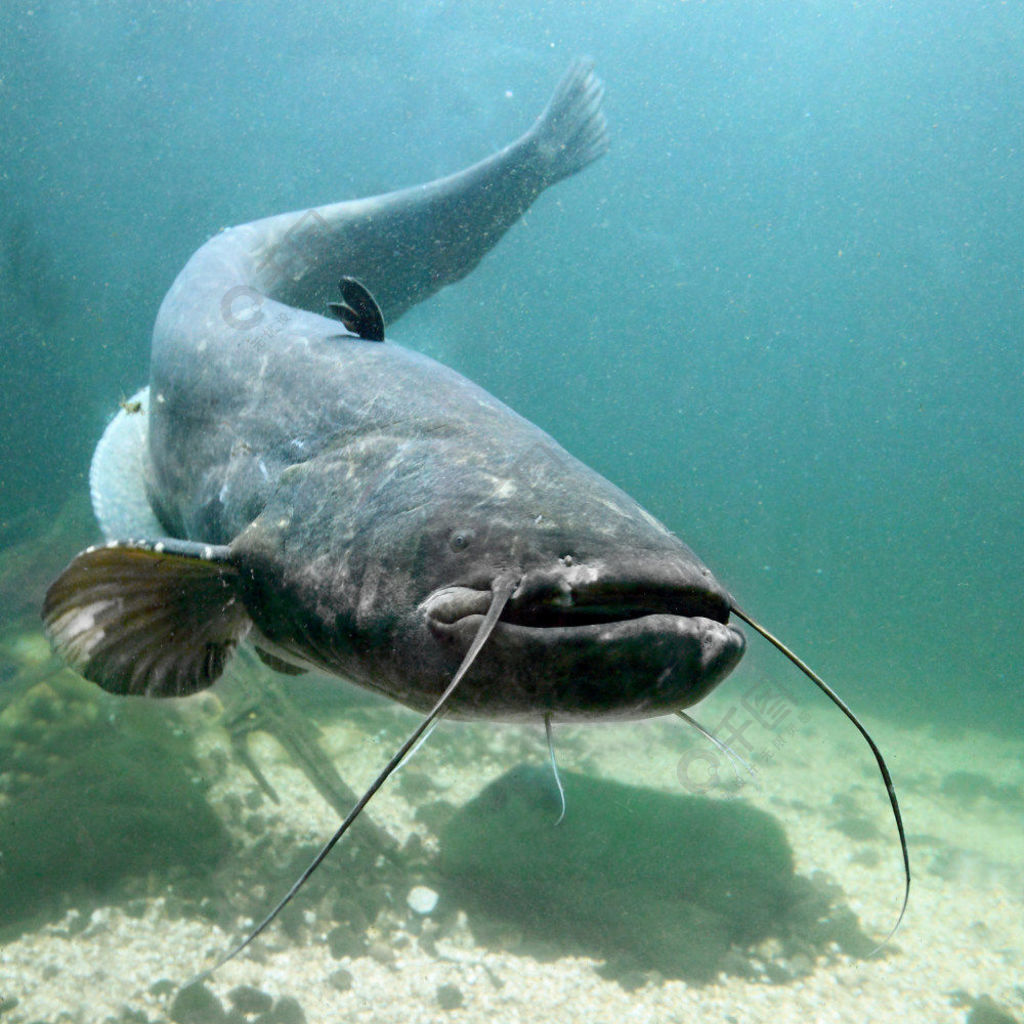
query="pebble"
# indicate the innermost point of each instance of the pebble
(449, 997)
(134, 959)
(422, 899)
(341, 979)
(247, 999)
(342, 941)
(987, 1011)
(286, 1011)
(196, 1004)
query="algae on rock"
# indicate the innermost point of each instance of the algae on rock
(93, 789)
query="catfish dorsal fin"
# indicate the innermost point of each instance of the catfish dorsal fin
(156, 618)
(358, 311)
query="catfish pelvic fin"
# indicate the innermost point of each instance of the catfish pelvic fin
(141, 617)
(358, 311)
(278, 664)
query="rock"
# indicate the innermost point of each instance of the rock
(421, 899)
(342, 941)
(247, 999)
(381, 952)
(340, 979)
(102, 784)
(449, 997)
(196, 1004)
(135, 908)
(130, 1015)
(286, 1011)
(987, 1011)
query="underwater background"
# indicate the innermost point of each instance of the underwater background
(785, 312)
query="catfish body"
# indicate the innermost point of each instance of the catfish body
(354, 507)
(348, 504)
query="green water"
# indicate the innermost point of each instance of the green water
(786, 312)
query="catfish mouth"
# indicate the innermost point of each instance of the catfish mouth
(581, 645)
(612, 606)
(552, 609)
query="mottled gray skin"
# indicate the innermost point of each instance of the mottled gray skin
(371, 496)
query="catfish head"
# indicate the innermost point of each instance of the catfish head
(378, 562)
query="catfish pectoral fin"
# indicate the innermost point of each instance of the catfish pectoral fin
(155, 618)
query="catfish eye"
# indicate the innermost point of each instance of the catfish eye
(460, 539)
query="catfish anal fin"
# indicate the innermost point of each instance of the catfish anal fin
(358, 311)
(155, 618)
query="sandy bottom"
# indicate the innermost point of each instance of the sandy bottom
(962, 938)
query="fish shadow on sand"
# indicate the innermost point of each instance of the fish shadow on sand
(683, 886)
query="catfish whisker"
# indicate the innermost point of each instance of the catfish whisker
(723, 747)
(501, 591)
(883, 768)
(554, 765)
(424, 736)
